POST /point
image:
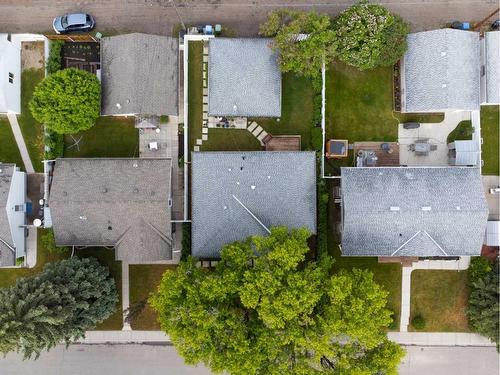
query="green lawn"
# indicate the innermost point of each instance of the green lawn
(31, 129)
(144, 280)
(110, 137)
(107, 258)
(491, 135)
(230, 140)
(440, 297)
(195, 92)
(359, 105)
(296, 110)
(9, 153)
(462, 132)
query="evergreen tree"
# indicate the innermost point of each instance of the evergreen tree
(265, 309)
(57, 305)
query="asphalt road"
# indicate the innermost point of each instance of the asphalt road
(241, 16)
(164, 360)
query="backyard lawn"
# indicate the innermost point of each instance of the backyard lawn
(491, 136)
(462, 132)
(9, 153)
(440, 297)
(144, 280)
(195, 92)
(359, 105)
(31, 129)
(296, 110)
(110, 137)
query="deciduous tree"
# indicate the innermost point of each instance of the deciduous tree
(370, 36)
(56, 306)
(301, 40)
(67, 101)
(265, 309)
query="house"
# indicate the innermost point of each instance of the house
(120, 203)
(239, 194)
(490, 77)
(10, 75)
(244, 78)
(464, 153)
(12, 214)
(412, 211)
(441, 71)
(139, 75)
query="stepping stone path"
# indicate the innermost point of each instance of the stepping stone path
(257, 132)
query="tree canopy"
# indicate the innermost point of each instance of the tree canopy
(265, 309)
(67, 101)
(55, 306)
(301, 40)
(370, 36)
(483, 310)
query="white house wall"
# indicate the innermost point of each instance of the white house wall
(17, 219)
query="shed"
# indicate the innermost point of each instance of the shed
(464, 153)
(493, 233)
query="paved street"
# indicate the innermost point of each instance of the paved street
(450, 361)
(242, 16)
(102, 360)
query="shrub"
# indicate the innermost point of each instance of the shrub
(67, 101)
(55, 58)
(49, 243)
(478, 269)
(322, 218)
(317, 138)
(418, 322)
(186, 241)
(54, 145)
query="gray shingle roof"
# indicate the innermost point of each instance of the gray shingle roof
(492, 41)
(413, 211)
(114, 202)
(12, 193)
(244, 78)
(442, 71)
(279, 188)
(139, 72)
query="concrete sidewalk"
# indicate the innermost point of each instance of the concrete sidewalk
(439, 339)
(21, 145)
(124, 337)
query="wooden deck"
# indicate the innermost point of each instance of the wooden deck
(385, 159)
(282, 143)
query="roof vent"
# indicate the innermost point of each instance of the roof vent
(118, 105)
(135, 165)
(268, 177)
(394, 208)
(252, 187)
(229, 169)
(65, 193)
(83, 217)
(104, 189)
(426, 208)
(443, 85)
(136, 190)
(241, 168)
(237, 182)
(225, 207)
(443, 53)
(458, 208)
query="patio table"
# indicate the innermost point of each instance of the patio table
(422, 148)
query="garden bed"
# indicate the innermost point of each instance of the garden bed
(82, 55)
(491, 138)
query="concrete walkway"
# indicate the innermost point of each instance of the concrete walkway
(439, 339)
(451, 265)
(125, 297)
(123, 337)
(28, 165)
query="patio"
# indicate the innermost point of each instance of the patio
(384, 154)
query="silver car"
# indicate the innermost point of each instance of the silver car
(73, 22)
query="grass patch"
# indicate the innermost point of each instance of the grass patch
(440, 297)
(230, 140)
(491, 136)
(106, 257)
(195, 92)
(9, 153)
(296, 110)
(32, 131)
(110, 137)
(359, 105)
(144, 280)
(462, 132)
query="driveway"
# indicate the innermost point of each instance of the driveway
(492, 199)
(436, 133)
(241, 16)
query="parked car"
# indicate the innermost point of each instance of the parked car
(495, 25)
(460, 25)
(411, 125)
(73, 22)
